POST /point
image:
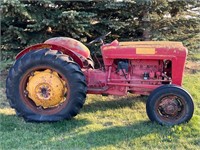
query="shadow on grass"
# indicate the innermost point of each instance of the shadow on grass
(115, 103)
(10, 123)
(13, 122)
(74, 135)
(116, 135)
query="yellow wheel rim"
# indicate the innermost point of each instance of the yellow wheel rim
(46, 89)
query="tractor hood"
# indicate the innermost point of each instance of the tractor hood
(70, 44)
(132, 50)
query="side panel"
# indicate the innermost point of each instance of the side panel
(178, 65)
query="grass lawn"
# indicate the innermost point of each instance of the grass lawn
(103, 123)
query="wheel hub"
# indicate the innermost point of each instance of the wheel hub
(46, 88)
(171, 109)
(43, 91)
(169, 106)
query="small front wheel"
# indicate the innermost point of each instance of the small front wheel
(170, 105)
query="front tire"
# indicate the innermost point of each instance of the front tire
(45, 85)
(169, 105)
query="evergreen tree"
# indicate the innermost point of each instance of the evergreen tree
(24, 23)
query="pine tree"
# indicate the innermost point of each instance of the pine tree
(24, 23)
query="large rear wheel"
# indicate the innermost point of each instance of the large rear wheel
(170, 105)
(45, 85)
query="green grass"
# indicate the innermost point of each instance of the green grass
(103, 123)
(195, 57)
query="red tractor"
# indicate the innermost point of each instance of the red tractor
(49, 81)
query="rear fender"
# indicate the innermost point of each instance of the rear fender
(76, 57)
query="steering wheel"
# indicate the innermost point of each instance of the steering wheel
(99, 39)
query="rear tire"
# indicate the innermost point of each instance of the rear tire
(38, 61)
(169, 105)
